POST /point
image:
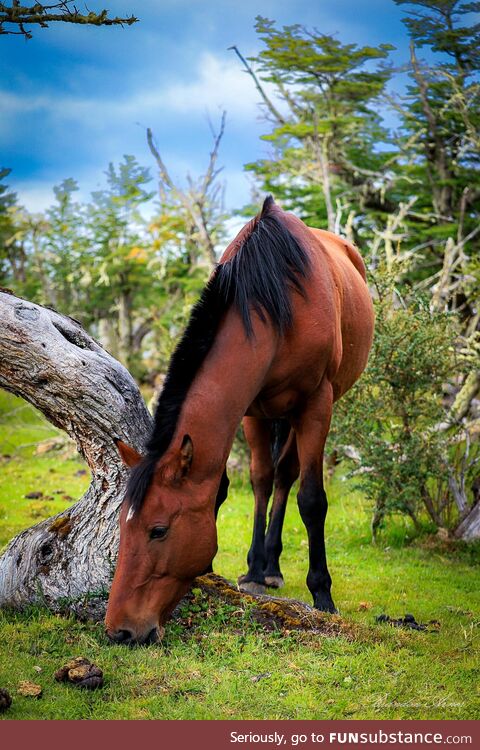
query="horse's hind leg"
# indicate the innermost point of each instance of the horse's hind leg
(257, 433)
(286, 472)
(312, 429)
(222, 492)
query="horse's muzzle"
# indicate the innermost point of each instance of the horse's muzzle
(127, 638)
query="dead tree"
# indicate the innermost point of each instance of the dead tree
(50, 361)
(201, 203)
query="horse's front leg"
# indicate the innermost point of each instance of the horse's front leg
(257, 433)
(312, 428)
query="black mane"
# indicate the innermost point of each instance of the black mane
(268, 264)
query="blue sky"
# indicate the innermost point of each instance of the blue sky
(75, 98)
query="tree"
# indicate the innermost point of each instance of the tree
(49, 360)
(439, 145)
(198, 208)
(187, 230)
(118, 266)
(405, 191)
(14, 17)
(324, 123)
(7, 202)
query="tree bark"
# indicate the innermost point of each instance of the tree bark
(469, 529)
(50, 361)
(468, 392)
(18, 16)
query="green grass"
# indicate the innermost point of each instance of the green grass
(60, 480)
(225, 666)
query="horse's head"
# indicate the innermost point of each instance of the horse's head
(165, 541)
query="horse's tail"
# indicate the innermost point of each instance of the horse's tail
(280, 431)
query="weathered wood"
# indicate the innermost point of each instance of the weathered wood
(49, 360)
(469, 529)
(468, 392)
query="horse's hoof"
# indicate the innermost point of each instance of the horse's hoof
(274, 582)
(325, 604)
(328, 609)
(251, 587)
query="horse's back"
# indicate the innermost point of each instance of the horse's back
(339, 247)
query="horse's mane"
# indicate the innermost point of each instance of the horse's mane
(268, 263)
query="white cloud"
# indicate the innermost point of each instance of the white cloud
(220, 84)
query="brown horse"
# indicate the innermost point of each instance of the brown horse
(282, 329)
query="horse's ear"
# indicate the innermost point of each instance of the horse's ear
(179, 464)
(186, 455)
(129, 455)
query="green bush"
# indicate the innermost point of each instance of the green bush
(395, 420)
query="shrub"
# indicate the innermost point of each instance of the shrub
(409, 451)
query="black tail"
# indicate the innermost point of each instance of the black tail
(280, 430)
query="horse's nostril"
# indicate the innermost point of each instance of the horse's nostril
(152, 637)
(121, 636)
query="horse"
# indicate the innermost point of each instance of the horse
(281, 331)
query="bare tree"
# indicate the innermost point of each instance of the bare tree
(201, 203)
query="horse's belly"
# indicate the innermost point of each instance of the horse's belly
(288, 385)
(265, 407)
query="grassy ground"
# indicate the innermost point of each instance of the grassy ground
(216, 663)
(58, 475)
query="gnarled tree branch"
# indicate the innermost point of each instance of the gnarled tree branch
(50, 361)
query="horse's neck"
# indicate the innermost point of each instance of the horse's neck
(228, 381)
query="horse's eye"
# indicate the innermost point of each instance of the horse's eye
(158, 532)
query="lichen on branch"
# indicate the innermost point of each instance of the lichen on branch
(14, 17)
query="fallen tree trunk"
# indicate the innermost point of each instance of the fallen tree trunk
(274, 611)
(50, 361)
